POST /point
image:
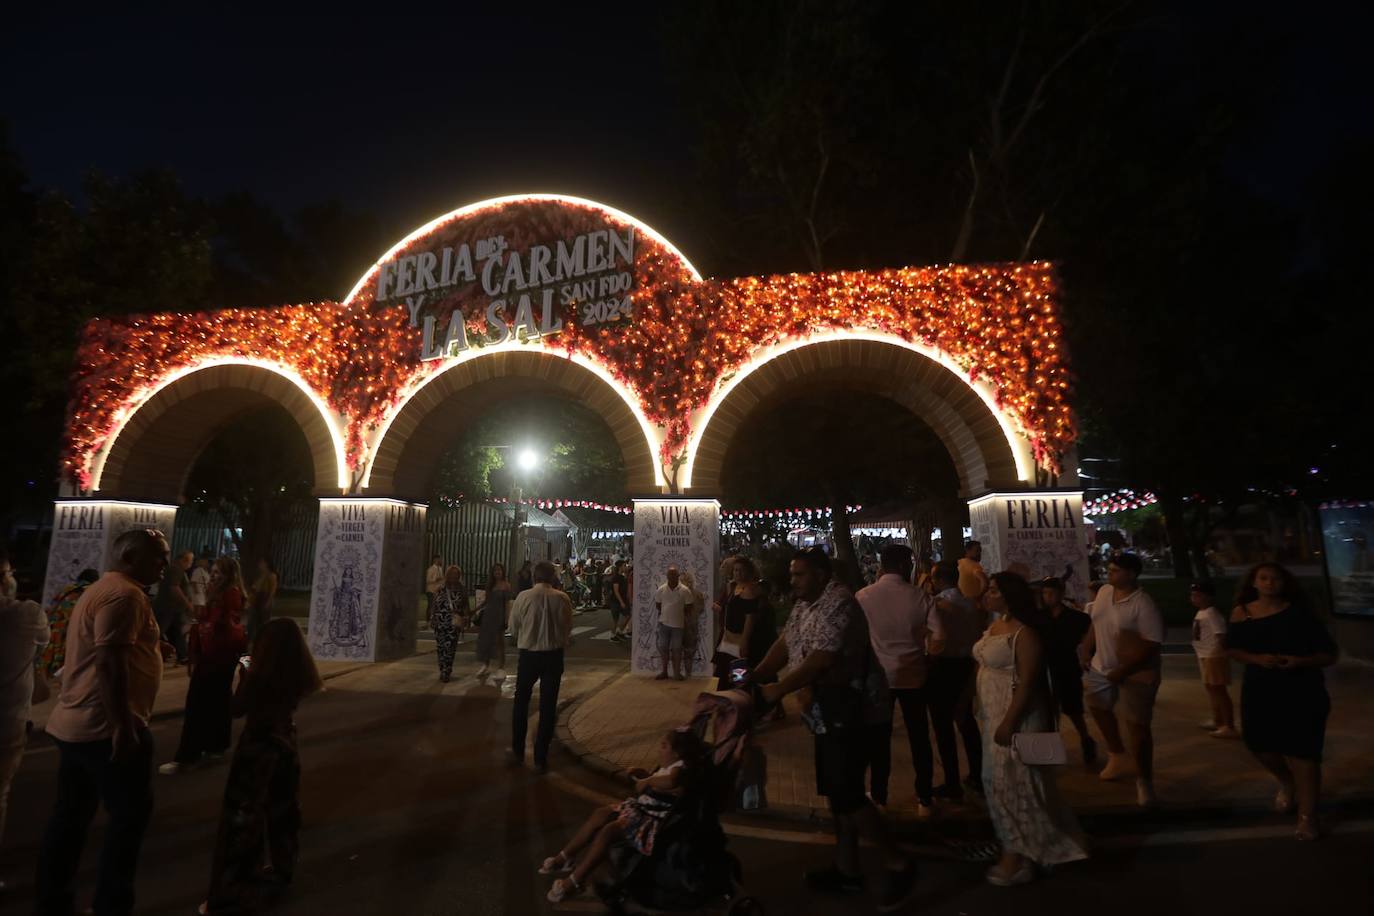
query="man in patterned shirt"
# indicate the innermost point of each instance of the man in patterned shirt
(826, 649)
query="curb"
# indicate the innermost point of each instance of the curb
(563, 731)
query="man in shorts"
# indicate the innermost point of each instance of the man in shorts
(826, 651)
(674, 602)
(1122, 676)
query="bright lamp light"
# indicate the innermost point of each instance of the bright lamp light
(527, 460)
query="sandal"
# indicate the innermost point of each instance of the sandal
(1308, 828)
(562, 889)
(556, 865)
(1283, 802)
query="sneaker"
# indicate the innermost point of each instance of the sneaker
(170, 769)
(834, 881)
(1145, 794)
(1118, 765)
(898, 887)
(1208, 726)
(562, 889)
(1226, 732)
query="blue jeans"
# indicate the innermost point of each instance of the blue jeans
(87, 778)
(545, 668)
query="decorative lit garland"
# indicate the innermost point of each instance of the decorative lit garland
(1120, 501)
(999, 323)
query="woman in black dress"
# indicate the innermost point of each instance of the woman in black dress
(743, 630)
(1283, 703)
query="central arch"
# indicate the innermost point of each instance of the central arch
(411, 443)
(987, 452)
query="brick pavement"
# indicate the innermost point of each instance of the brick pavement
(619, 725)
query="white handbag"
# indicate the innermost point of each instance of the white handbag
(1036, 749)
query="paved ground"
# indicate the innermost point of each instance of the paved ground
(619, 727)
(409, 810)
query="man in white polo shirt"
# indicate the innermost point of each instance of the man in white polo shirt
(1124, 671)
(673, 600)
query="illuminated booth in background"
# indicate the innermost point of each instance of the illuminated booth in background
(560, 296)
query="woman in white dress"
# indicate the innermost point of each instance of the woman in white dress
(1033, 824)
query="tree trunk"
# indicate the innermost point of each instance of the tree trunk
(1180, 544)
(839, 532)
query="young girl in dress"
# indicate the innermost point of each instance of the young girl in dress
(636, 820)
(260, 818)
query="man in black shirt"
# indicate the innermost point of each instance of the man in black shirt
(1067, 628)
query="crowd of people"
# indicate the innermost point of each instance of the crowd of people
(109, 668)
(991, 662)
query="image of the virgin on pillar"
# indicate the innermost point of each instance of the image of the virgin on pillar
(346, 612)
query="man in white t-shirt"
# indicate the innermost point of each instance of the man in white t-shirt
(1209, 643)
(672, 601)
(1123, 674)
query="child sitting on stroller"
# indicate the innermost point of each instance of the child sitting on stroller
(636, 820)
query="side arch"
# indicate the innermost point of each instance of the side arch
(987, 451)
(410, 444)
(151, 453)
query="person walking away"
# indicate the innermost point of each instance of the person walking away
(956, 624)
(672, 601)
(973, 581)
(217, 641)
(172, 606)
(1123, 674)
(24, 633)
(100, 727)
(1064, 632)
(450, 607)
(691, 624)
(542, 621)
(264, 595)
(1033, 824)
(491, 623)
(200, 585)
(524, 578)
(1283, 700)
(1214, 665)
(825, 647)
(897, 613)
(434, 580)
(59, 615)
(618, 601)
(260, 816)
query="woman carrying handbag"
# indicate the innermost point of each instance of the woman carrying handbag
(1020, 744)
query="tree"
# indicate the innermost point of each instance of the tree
(249, 475)
(845, 449)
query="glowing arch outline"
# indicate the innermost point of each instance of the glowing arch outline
(470, 209)
(126, 413)
(1020, 448)
(652, 438)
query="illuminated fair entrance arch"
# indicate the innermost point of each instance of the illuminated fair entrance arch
(564, 296)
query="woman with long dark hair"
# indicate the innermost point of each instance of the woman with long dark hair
(261, 811)
(491, 622)
(217, 641)
(1283, 701)
(1033, 825)
(447, 618)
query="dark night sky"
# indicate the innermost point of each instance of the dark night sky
(408, 115)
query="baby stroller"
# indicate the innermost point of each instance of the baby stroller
(690, 868)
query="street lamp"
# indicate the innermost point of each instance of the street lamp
(527, 460)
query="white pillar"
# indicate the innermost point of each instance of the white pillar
(369, 568)
(681, 532)
(84, 531)
(1040, 529)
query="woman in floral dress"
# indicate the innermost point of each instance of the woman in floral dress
(1033, 824)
